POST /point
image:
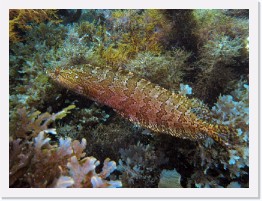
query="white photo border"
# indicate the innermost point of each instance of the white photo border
(254, 175)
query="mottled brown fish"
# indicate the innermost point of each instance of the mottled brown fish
(142, 102)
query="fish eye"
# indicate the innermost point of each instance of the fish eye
(57, 72)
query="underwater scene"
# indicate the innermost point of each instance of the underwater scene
(128, 98)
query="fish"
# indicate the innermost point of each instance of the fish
(143, 102)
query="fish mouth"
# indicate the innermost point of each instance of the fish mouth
(49, 72)
(53, 73)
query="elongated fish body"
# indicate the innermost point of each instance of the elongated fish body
(141, 102)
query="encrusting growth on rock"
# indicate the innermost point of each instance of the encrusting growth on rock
(142, 102)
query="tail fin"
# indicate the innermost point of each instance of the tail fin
(224, 135)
